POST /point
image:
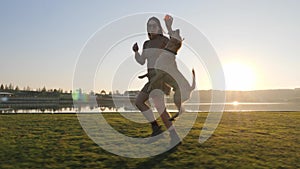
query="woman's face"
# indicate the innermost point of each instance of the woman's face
(152, 27)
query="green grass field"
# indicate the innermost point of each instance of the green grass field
(242, 140)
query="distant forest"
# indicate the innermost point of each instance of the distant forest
(43, 92)
(30, 92)
(279, 95)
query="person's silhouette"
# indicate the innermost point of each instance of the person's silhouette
(151, 51)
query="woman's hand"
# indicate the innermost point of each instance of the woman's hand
(135, 47)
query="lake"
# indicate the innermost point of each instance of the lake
(190, 107)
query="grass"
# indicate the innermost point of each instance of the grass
(242, 140)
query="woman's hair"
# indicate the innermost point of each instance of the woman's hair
(160, 31)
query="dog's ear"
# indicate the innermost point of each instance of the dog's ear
(177, 35)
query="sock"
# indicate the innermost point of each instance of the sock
(154, 124)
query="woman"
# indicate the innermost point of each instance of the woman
(151, 51)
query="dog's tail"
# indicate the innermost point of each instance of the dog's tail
(194, 80)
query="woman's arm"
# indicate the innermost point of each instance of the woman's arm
(141, 59)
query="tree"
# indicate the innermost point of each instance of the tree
(11, 87)
(2, 87)
(103, 92)
(17, 88)
(117, 92)
(44, 89)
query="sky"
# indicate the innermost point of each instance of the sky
(256, 40)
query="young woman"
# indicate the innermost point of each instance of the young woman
(151, 51)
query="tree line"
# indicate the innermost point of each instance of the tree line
(31, 92)
(27, 91)
(12, 88)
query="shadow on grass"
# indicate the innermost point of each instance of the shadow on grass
(156, 160)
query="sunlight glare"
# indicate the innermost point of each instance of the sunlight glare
(235, 103)
(239, 76)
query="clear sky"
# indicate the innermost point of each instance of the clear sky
(257, 41)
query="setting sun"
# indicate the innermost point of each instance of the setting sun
(239, 76)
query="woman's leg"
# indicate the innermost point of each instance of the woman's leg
(147, 112)
(159, 102)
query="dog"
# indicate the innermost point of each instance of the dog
(167, 72)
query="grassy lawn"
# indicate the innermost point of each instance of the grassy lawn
(242, 140)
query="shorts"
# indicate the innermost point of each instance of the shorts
(161, 85)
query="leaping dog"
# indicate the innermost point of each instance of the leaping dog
(168, 72)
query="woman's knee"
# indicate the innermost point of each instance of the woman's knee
(140, 100)
(139, 103)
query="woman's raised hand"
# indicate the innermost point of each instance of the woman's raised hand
(135, 47)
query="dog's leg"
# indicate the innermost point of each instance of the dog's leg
(178, 103)
(181, 111)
